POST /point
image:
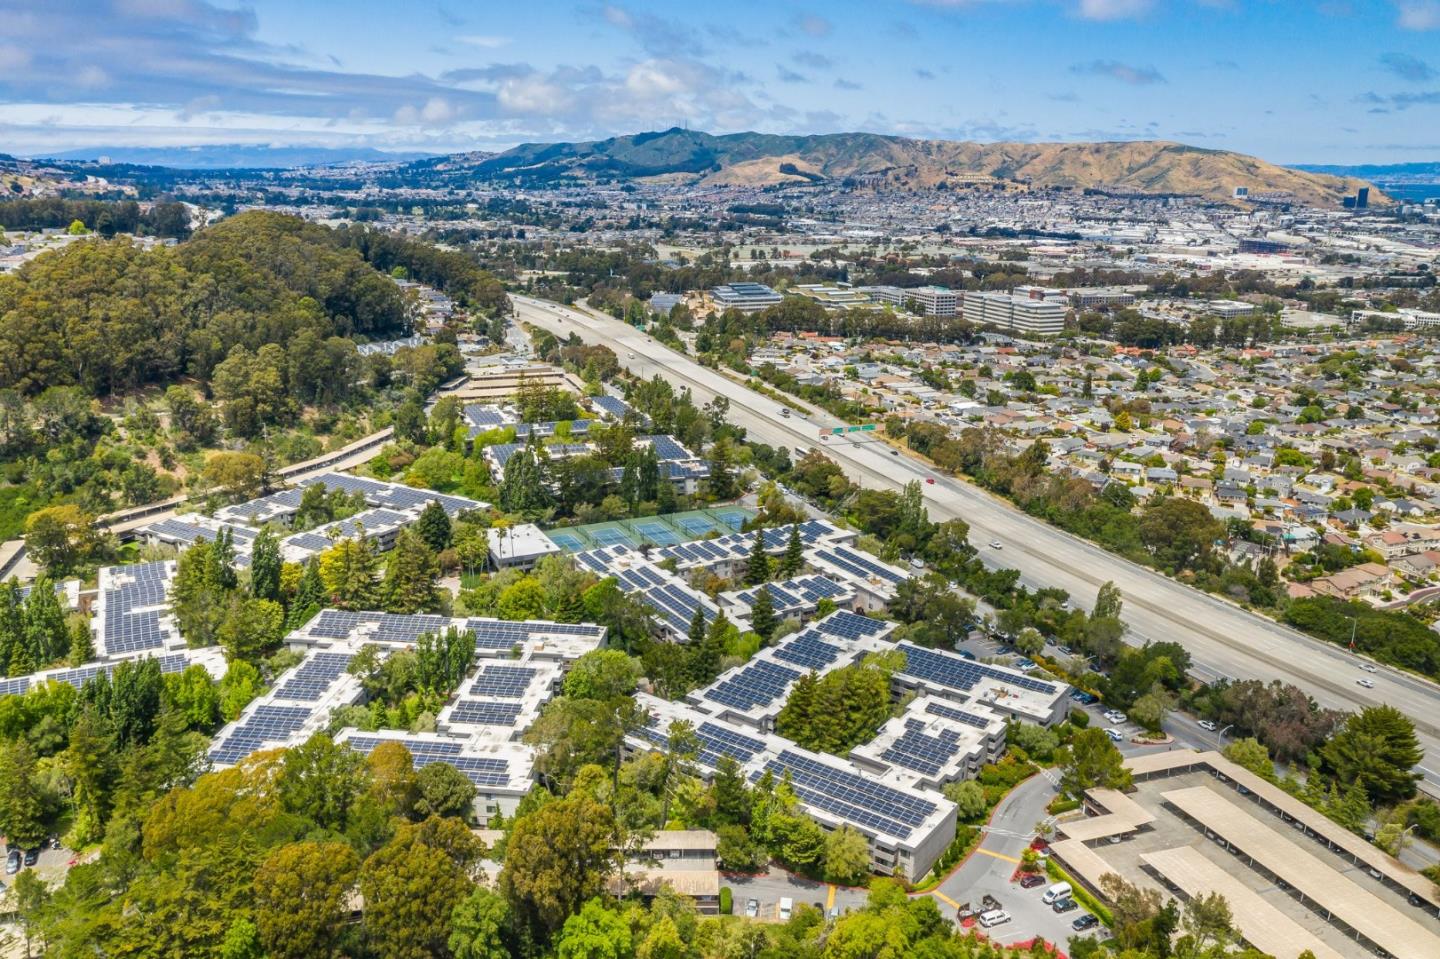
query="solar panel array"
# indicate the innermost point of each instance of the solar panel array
(484, 713)
(919, 750)
(955, 672)
(857, 564)
(339, 623)
(396, 628)
(133, 605)
(577, 428)
(14, 686)
(177, 530)
(667, 448)
(793, 594)
(267, 727)
(612, 405)
(480, 770)
(498, 634)
(314, 677)
(959, 715)
(850, 795)
(758, 683)
(716, 742)
(848, 625)
(808, 650)
(501, 682)
(501, 452)
(484, 417)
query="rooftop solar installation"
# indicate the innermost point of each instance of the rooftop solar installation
(848, 625)
(668, 448)
(268, 726)
(339, 623)
(14, 686)
(396, 628)
(484, 416)
(955, 672)
(314, 676)
(613, 405)
(807, 650)
(480, 713)
(850, 795)
(922, 751)
(480, 770)
(959, 715)
(501, 682)
(756, 684)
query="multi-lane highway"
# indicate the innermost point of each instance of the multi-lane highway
(1223, 639)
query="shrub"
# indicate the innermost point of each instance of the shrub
(726, 903)
(1079, 718)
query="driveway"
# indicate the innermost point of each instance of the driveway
(990, 866)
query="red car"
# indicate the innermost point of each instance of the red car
(930, 480)
(1031, 881)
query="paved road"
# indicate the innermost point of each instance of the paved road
(1223, 639)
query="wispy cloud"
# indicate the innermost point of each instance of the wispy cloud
(786, 75)
(813, 25)
(1113, 9)
(842, 84)
(1406, 67)
(1124, 72)
(485, 42)
(1418, 14)
(813, 60)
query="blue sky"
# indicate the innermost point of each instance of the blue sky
(1288, 80)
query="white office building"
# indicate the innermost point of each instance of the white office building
(932, 300)
(1020, 315)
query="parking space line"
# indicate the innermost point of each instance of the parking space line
(998, 855)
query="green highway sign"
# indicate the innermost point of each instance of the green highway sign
(867, 427)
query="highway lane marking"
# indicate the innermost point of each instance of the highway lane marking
(998, 855)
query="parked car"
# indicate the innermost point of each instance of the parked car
(787, 906)
(1031, 881)
(32, 856)
(1063, 905)
(1114, 735)
(1084, 922)
(12, 862)
(752, 908)
(994, 917)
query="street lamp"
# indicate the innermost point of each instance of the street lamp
(1219, 734)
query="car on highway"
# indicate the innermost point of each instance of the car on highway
(894, 452)
(1086, 921)
(1367, 683)
(1207, 725)
(996, 544)
(630, 355)
(784, 411)
(752, 908)
(1368, 667)
(1031, 881)
(930, 480)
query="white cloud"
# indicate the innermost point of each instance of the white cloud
(1113, 9)
(1418, 14)
(485, 42)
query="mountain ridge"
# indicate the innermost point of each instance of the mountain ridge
(767, 159)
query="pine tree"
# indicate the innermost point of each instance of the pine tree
(697, 627)
(46, 637)
(757, 569)
(265, 565)
(434, 526)
(22, 807)
(82, 646)
(571, 608)
(12, 624)
(348, 571)
(762, 614)
(410, 574)
(722, 471)
(309, 597)
(648, 481)
(793, 559)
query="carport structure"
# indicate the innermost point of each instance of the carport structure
(1319, 885)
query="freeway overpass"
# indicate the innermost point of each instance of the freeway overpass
(1223, 639)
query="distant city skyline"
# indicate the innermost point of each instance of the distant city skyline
(1336, 81)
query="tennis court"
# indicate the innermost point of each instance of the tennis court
(651, 530)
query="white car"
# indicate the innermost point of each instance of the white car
(630, 355)
(1368, 667)
(1115, 737)
(1207, 725)
(1116, 717)
(1365, 682)
(996, 544)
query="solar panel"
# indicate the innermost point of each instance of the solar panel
(956, 672)
(15, 686)
(480, 713)
(848, 625)
(959, 715)
(267, 726)
(502, 682)
(805, 649)
(338, 623)
(850, 796)
(314, 677)
(480, 770)
(395, 628)
(922, 751)
(756, 684)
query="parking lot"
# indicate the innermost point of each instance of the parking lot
(768, 888)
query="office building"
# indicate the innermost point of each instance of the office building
(745, 297)
(1020, 315)
(931, 300)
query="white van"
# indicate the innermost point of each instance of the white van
(994, 917)
(1061, 890)
(787, 906)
